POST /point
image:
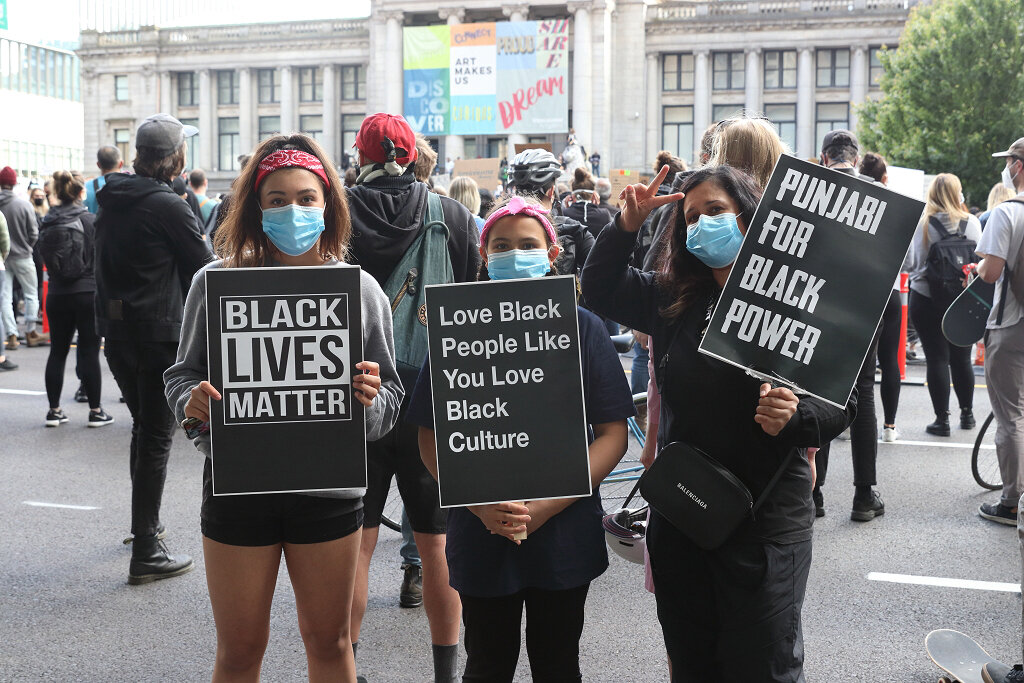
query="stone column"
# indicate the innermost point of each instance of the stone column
(332, 118)
(654, 108)
(207, 125)
(858, 81)
(516, 13)
(246, 111)
(166, 92)
(582, 73)
(752, 82)
(393, 63)
(805, 104)
(454, 145)
(376, 88)
(701, 96)
(287, 101)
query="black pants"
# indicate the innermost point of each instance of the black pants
(68, 312)
(554, 624)
(941, 358)
(138, 368)
(863, 429)
(889, 351)
(730, 614)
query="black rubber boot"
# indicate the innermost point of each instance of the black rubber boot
(941, 425)
(151, 561)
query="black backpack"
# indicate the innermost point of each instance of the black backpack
(62, 247)
(944, 267)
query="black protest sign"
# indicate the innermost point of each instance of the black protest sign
(811, 281)
(283, 343)
(508, 391)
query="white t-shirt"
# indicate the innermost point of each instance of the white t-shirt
(1002, 238)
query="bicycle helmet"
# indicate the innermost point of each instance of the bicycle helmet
(533, 170)
(626, 533)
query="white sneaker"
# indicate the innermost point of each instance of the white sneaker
(845, 436)
(890, 434)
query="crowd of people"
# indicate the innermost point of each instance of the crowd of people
(124, 256)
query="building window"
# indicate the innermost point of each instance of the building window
(783, 117)
(677, 130)
(353, 82)
(268, 86)
(190, 145)
(313, 126)
(727, 71)
(349, 128)
(779, 69)
(188, 89)
(721, 112)
(875, 70)
(269, 126)
(677, 72)
(831, 116)
(121, 88)
(311, 84)
(227, 87)
(227, 144)
(122, 140)
(833, 68)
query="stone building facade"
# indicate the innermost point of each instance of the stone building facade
(643, 75)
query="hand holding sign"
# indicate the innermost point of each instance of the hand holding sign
(640, 200)
(198, 405)
(367, 384)
(775, 408)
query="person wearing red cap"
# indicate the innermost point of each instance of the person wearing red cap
(387, 207)
(24, 231)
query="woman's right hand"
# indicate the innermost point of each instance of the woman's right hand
(198, 405)
(640, 200)
(504, 519)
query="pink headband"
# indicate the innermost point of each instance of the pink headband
(519, 206)
(290, 158)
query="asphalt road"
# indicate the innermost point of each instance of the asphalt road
(67, 614)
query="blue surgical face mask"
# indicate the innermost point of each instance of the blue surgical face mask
(715, 240)
(293, 229)
(518, 263)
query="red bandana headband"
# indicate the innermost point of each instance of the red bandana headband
(290, 158)
(518, 206)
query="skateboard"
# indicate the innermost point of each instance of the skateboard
(964, 321)
(958, 655)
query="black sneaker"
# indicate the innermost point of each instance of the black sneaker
(997, 672)
(998, 513)
(867, 510)
(8, 365)
(412, 586)
(55, 418)
(819, 502)
(80, 396)
(99, 418)
(967, 420)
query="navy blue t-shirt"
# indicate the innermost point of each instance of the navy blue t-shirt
(569, 549)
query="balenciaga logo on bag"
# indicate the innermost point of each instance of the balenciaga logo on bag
(692, 495)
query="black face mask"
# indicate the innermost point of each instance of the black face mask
(38, 201)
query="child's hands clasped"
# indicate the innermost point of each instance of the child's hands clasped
(504, 519)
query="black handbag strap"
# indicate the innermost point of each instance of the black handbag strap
(774, 480)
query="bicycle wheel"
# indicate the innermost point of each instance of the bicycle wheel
(618, 490)
(391, 517)
(984, 465)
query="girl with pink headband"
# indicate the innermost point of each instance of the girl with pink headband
(550, 572)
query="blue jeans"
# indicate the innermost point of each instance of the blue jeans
(409, 552)
(639, 375)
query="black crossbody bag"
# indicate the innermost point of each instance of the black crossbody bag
(696, 493)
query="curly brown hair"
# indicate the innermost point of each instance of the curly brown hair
(240, 239)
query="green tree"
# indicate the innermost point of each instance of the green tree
(954, 91)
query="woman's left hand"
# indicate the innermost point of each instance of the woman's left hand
(775, 408)
(367, 384)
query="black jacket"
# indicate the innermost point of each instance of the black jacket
(66, 215)
(148, 247)
(576, 242)
(589, 214)
(386, 216)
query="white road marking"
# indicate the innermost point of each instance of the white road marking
(38, 504)
(937, 444)
(22, 392)
(944, 582)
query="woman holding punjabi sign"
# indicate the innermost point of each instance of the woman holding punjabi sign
(289, 210)
(743, 597)
(550, 572)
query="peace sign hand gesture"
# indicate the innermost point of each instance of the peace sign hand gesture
(640, 200)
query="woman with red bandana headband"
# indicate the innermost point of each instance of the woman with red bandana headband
(289, 209)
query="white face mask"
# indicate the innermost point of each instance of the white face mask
(1008, 178)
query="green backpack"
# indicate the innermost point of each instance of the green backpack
(425, 262)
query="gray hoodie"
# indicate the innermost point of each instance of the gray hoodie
(21, 224)
(191, 368)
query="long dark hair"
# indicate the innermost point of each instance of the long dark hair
(682, 276)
